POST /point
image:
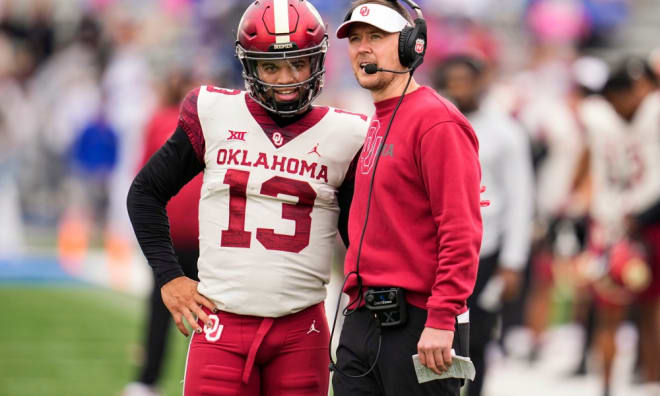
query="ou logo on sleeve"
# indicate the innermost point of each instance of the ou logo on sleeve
(213, 333)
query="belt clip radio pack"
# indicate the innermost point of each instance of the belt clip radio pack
(388, 305)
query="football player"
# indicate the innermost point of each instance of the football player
(277, 181)
(624, 151)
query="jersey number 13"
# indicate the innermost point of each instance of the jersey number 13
(236, 236)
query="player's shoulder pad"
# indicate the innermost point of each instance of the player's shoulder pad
(188, 113)
(210, 97)
(596, 111)
(190, 123)
(349, 115)
(357, 122)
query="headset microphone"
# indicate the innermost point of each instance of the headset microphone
(372, 68)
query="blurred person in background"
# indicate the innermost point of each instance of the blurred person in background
(633, 92)
(182, 211)
(541, 80)
(562, 199)
(35, 30)
(507, 175)
(567, 233)
(542, 97)
(623, 153)
(67, 97)
(17, 128)
(92, 158)
(278, 177)
(130, 99)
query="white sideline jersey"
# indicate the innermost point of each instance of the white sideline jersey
(625, 162)
(563, 134)
(268, 210)
(644, 152)
(506, 171)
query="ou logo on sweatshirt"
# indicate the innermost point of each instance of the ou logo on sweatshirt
(370, 148)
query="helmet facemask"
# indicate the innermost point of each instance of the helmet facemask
(264, 93)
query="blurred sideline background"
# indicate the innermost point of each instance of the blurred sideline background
(80, 80)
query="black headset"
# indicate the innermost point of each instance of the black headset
(412, 40)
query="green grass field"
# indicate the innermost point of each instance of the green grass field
(75, 340)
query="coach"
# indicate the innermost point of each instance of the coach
(421, 241)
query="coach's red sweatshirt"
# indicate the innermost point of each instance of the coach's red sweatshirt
(424, 229)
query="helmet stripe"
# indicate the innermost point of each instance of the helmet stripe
(282, 21)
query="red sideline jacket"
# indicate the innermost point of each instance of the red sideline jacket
(424, 229)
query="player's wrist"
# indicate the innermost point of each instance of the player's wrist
(171, 280)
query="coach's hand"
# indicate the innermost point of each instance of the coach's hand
(434, 348)
(181, 298)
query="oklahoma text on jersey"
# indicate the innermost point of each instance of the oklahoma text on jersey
(292, 166)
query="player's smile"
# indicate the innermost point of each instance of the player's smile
(286, 95)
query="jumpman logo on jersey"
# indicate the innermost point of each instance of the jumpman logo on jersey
(315, 150)
(312, 328)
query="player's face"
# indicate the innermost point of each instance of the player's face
(368, 44)
(627, 101)
(283, 72)
(463, 87)
(622, 103)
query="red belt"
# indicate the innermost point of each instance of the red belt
(265, 325)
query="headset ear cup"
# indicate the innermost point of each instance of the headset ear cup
(405, 51)
(420, 26)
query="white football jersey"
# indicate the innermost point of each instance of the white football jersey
(268, 210)
(563, 134)
(625, 162)
(605, 135)
(643, 151)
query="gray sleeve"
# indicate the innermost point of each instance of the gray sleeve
(518, 189)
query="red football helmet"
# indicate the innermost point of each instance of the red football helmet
(629, 267)
(625, 274)
(282, 30)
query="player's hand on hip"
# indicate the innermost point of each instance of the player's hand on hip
(181, 298)
(434, 348)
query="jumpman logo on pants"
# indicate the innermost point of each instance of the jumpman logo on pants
(312, 328)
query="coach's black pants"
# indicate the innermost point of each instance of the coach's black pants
(394, 374)
(160, 319)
